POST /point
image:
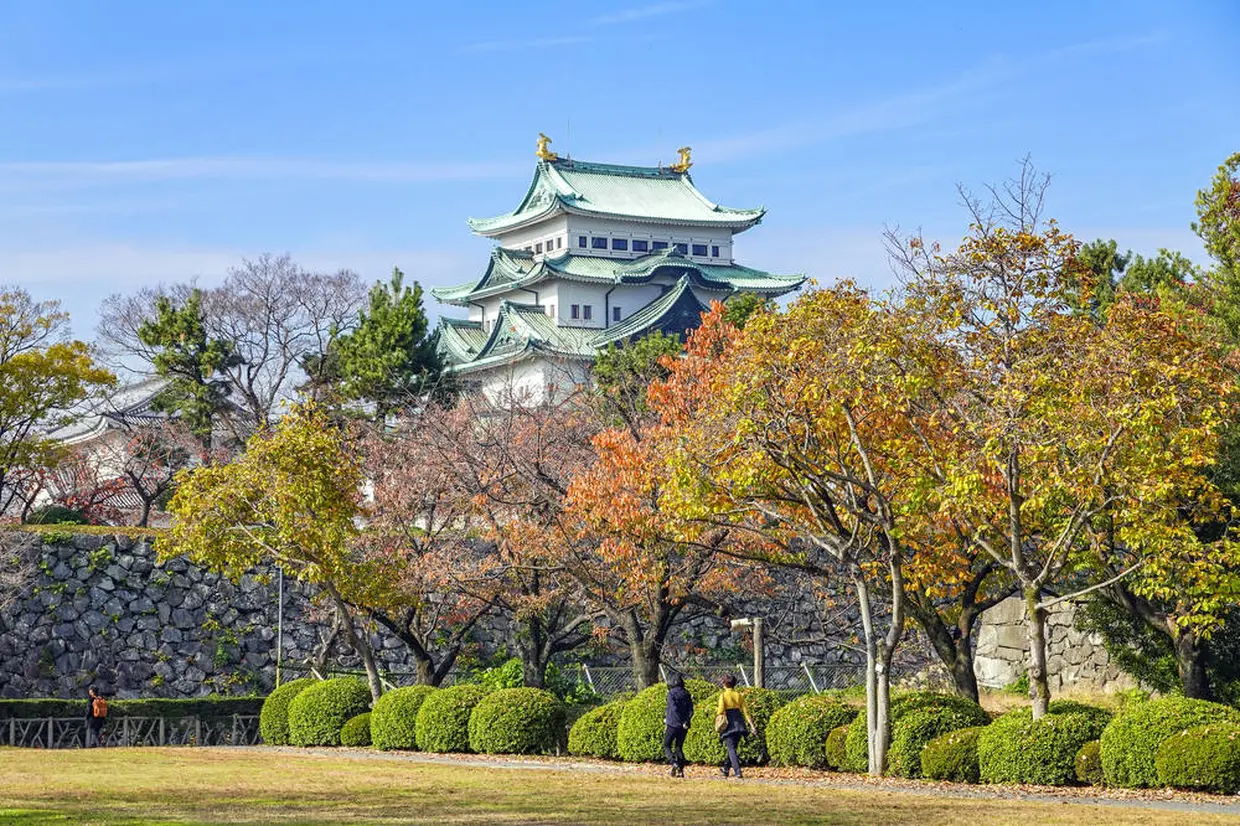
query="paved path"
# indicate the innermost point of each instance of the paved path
(1160, 800)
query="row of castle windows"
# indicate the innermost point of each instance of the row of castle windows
(583, 312)
(625, 245)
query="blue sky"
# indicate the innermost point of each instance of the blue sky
(142, 142)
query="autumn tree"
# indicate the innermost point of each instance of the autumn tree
(802, 432)
(44, 376)
(1057, 420)
(441, 578)
(292, 499)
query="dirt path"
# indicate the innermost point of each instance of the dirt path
(1153, 799)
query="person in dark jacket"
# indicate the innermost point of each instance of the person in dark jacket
(94, 722)
(679, 715)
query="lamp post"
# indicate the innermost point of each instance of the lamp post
(279, 625)
(759, 650)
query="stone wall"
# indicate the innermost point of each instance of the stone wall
(1075, 658)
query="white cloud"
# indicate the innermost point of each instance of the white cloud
(637, 13)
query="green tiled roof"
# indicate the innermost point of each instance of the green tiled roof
(510, 270)
(525, 330)
(638, 193)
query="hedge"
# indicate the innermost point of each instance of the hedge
(594, 733)
(517, 721)
(317, 713)
(1205, 758)
(857, 754)
(206, 708)
(797, 733)
(1089, 764)
(639, 737)
(952, 756)
(702, 744)
(916, 728)
(1017, 749)
(1131, 741)
(356, 731)
(442, 723)
(837, 749)
(273, 718)
(394, 719)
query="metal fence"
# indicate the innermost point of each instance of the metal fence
(804, 679)
(70, 732)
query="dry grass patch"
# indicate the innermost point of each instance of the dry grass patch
(210, 786)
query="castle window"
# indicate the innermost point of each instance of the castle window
(581, 241)
(619, 243)
(559, 243)
(538, 247)
(714, 252)
(598, 243)
(575, 311)
(615, 313)
(699, 249)
(658, 245)
(551, 310)
(587, 312)
(683, 249)
(640, 246)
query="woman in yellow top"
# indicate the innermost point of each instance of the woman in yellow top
(733, 722)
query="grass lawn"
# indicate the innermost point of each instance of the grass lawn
(131, 786)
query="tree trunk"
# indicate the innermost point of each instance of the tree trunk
(359, 644)
(877, 685)
(954, 646)
(1039, 683)
(645, 656)
(1190, 661)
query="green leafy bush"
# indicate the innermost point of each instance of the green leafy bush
(1131, 741)
(318, 712)
(1205, 758)
(837, 749)
(594, 733)
(205, 708)
(442, 722)
(797, 733)
(56, 515)
(273, 719)
(1089, 763)
(952, 756)
(915, 728)
(639, 737)
(857, 755)
(394, 719)
(1017, 749)
(356, 731)
(517, 721)
(702, 744)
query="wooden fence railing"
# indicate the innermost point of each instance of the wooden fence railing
(70, 732)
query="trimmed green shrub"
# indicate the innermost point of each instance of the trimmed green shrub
(1016, 749)
(442, 722)
(702, 744)
(594, 733)
(318, 712)
(1131, 741)
(517, 721)
(915, 728)
(639, 737)
(797, 733)
(952, 756)
(273, 719)
(394, 719)
(205, 708)
(1089, 763)
(1205, 758)
(356, 731)
(837, 749)
(56, 515)
(857, 755)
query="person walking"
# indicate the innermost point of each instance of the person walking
(733, 722)
(96, 716)
(676, 721)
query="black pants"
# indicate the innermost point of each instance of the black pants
(674, 745)
(94, 728)
(731, 741)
